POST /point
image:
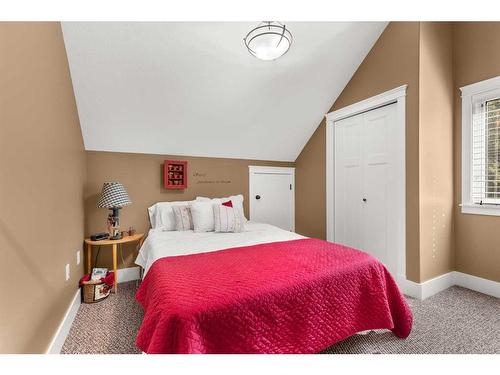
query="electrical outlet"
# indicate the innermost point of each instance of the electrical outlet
(67, 272)
(78, 257)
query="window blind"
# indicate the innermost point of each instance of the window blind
(485, 184)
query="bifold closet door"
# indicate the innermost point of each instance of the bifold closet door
(348, 181)
(365, 173)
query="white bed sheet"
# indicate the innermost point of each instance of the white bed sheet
(160, 244)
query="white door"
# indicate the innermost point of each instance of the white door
(348, 182)
(272, 193)
(365, 181)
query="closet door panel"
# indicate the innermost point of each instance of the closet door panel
(348, 181)
(378, 183)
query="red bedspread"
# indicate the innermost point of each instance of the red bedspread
(296, 296)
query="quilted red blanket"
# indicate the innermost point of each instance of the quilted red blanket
(296, 296)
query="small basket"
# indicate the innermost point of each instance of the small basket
(96, 290)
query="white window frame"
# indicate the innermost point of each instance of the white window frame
(487, 89)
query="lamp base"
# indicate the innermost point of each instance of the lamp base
(114, 224)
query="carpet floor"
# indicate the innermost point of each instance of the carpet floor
(456, 320)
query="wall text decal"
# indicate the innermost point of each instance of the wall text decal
(202, 178)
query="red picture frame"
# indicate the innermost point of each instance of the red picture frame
(175, 174)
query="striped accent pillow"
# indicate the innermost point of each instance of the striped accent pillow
(227, 219)
(183, 218)
(236, 202)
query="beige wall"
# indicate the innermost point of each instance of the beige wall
(392, 62)
(436, 149)
(142, 176)
(42, 169)
(476, 57)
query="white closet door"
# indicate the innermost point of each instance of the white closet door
(379, 184)
(365, 172)
(348, 181)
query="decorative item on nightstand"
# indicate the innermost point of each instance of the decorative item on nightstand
(113, 196)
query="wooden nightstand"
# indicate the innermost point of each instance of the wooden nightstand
(139, 237)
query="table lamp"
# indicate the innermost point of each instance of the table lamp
(113, 196)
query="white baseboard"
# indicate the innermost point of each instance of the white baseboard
(409, 288)
(62, 331)
(438, 284)
(128, 274)
(485, 286)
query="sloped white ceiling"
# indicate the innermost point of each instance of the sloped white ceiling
(193, 89)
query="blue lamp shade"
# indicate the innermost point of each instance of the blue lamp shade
(113, 195)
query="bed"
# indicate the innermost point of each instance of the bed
(264, 290)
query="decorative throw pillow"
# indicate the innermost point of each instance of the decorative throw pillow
(183, 219)
(227, 219)
(203, 216)
(161, 214)
(236, 202)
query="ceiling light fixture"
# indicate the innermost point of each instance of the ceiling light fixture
(269, 40)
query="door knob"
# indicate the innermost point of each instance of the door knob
(257, 197)
(364, 199)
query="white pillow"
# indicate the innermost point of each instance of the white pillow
(236, 200)
(183, 218)
(227, 219)
(202, 213)
(162, 216)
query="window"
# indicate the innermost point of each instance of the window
(485, 151)
(481, 148)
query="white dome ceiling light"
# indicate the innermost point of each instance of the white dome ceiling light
(269, 40)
